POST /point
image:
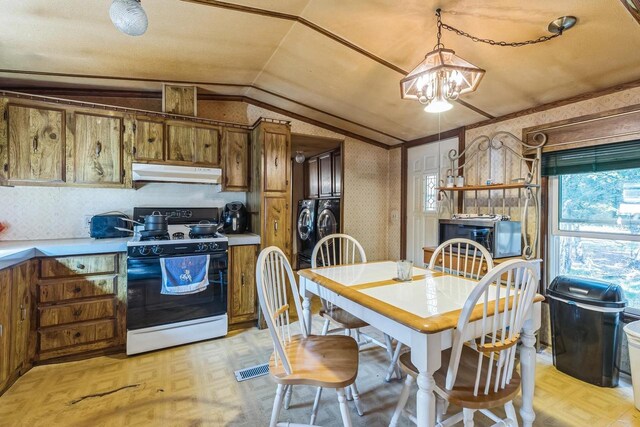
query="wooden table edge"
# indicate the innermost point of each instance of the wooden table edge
(427, 325)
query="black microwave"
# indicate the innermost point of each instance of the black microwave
(501, 238)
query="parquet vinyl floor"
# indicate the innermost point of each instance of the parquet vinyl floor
(194, 385)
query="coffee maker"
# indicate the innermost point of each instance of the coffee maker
(234, 218)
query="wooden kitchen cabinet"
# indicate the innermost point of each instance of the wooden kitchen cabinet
(98, 149)
(235, 143)
(36, 144)
(22, 305)
(337, 173)
(243, 305)
(326, 175)
(277, 150)
(148, 143)
(5, 327)
(268, 199)
(189, 144)
(81, 305)
(313, 187)
(276, 231)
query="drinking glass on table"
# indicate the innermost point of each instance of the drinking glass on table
(405, 268)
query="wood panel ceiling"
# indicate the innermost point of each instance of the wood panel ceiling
(332, 61)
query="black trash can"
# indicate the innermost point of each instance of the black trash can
(586, 328)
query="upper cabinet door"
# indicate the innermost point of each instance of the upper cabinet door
(235, 144)
(337, 173)
(98, 149)
(276, 158)
(207, 146)
(313, 188)
(36, 144)
(193, 145)
(149, 140)
(326, 171)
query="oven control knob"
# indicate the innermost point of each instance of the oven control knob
(157, 249)
(144, 250)
(202, 247)
(213, 246)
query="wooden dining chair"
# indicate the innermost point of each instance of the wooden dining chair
(477, 372)
(459, 257)
(319, 361)
(342, 249)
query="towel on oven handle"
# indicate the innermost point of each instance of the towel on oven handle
(184, 275)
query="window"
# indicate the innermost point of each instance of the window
(596, 228)
(430, 192)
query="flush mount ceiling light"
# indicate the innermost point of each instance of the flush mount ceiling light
(129, 17)
(443, 76)
(300, 158)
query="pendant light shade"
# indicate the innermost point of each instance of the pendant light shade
(129, 17)
(300, 157)
(441, 77)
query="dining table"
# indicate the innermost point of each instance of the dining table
(420, 313)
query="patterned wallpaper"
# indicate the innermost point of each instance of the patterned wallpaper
(35, 213)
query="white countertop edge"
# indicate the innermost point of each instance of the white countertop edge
(15, 252)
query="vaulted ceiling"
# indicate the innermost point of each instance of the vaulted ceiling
(334, 61)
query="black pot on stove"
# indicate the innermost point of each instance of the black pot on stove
(234, 218)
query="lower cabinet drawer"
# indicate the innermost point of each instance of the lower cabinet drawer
(77, 334)
(77, 288)
(78, 312)
(78, 265)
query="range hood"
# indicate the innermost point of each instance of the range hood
(143, 172)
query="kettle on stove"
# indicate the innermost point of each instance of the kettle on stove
(234, 218)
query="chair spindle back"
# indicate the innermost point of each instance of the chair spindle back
(337, 249)
(504, 310)
(462, 257)
(272, 273)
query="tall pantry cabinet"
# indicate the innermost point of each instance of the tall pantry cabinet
(269, 197)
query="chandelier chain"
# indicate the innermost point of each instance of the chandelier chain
(500, 43)
(447, 27)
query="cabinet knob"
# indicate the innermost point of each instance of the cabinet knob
(98, 148)
(80, 266)
(77, 335)
(77, 312)
(77, 290)
(35, 143)
(151, 140)
(237, 159)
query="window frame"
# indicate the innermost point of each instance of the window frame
(553, 241)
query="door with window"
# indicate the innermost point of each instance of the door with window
(427, 165)
(594, 211)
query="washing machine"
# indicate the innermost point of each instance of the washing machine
(306, 231)
(328, 217)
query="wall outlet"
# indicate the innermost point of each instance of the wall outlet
(86, 221)
(395, 215)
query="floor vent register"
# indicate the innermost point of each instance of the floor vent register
(252, 372)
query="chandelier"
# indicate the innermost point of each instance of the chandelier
(443, 76)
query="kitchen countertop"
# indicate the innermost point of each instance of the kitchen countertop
(16, 251)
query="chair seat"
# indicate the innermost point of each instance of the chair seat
(462, 393)
(322, 361)
(342, 318)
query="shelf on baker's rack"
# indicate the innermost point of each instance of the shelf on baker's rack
(489, 187)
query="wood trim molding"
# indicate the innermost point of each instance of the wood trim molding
(555, 104)
(618, 125)
(435, 137)
(633, 6)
